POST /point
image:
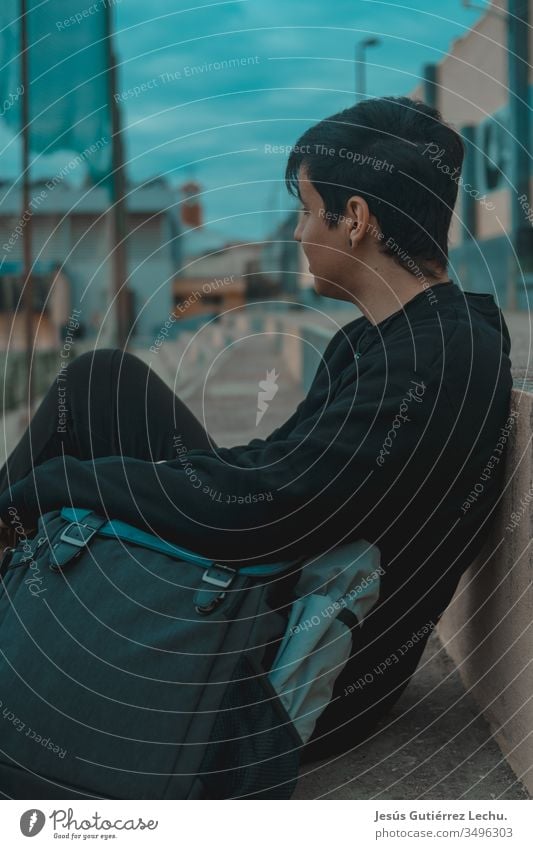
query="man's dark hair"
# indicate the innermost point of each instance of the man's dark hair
(400, 156)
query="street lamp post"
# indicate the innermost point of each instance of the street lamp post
(360, 65)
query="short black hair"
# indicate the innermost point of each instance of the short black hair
(383, 149)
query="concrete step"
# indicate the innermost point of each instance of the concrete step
(434, 744)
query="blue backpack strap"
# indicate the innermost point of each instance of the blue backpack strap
(115, 528)
(74, 538)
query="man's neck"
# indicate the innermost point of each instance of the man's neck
(377, 304)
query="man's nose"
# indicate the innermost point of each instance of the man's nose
(297, 235)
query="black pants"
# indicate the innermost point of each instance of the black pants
(105, 403)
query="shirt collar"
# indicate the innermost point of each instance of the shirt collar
(422, 302)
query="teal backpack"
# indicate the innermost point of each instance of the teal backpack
(131, 668)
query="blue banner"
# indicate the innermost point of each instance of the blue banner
(69, 98)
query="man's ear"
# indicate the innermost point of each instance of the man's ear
(356, 219)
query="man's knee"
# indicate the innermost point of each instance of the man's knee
(91, 360)
(88, 371)
(104, 370)
(99, 362)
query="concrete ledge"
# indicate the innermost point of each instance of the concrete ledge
(488, 627)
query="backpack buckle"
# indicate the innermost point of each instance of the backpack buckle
(70, 544)
(219, 575)
(77, 534)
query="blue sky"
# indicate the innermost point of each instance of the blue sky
(295, 65)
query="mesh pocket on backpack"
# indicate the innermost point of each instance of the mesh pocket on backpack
(254, 750)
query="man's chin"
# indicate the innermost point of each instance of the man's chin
(327, 288)
(319, 283)
(321, 286)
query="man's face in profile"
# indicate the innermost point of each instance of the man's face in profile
(325, 247)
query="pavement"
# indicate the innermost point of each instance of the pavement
(434, 744)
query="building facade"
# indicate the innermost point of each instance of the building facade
(72, 231)
(483, 86)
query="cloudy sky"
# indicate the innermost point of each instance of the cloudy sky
(291, 64)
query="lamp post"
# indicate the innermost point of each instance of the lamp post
(360, 65)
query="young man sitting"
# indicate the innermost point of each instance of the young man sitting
(403, 415)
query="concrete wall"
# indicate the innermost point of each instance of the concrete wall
(488, 627)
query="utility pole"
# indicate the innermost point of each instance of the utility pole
(118, 193)
(27, 282)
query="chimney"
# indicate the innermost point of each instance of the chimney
(191, 207)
